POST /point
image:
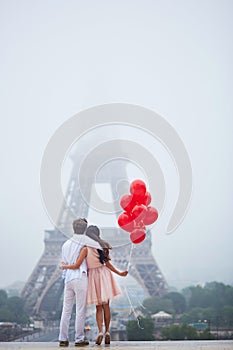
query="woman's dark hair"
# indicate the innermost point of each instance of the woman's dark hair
(94, 233)
(103, 255)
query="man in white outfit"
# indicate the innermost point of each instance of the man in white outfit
(75, 284)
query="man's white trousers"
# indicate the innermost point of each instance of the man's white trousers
(75, 290)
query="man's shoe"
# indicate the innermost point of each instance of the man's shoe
(63, 343)
(82, 343)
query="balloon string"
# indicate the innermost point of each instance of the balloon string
(135, 296)
(132, 309)
(130, 255)
(120, 245)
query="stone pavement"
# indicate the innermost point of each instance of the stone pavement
(118, 345)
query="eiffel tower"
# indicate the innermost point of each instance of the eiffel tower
(43, 291)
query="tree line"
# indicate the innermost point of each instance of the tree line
(212, 303)
(12, 309)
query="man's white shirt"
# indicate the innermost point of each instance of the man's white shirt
(70, 252)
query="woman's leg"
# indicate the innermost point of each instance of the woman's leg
(99, 320)
(107, 316)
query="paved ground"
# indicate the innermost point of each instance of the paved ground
(156, 345)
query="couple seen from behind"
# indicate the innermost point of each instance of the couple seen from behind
(88, 278)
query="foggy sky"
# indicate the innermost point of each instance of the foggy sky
(174, 57)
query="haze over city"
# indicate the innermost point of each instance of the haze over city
(173, 57)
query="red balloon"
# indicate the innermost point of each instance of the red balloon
(140, 224)
(127, 202)
(151, 216)
(138, 188)
(139, 212)
(138, 235)
(146, 199)
(126, 222)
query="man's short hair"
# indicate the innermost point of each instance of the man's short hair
(79, 226)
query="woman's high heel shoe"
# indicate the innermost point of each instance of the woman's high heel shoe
(99, 339)
(107, 338)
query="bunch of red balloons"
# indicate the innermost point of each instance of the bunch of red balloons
(137, 212)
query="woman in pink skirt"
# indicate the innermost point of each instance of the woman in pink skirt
(101, 284)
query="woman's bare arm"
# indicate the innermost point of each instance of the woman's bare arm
(81, 257)
(113, 269)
